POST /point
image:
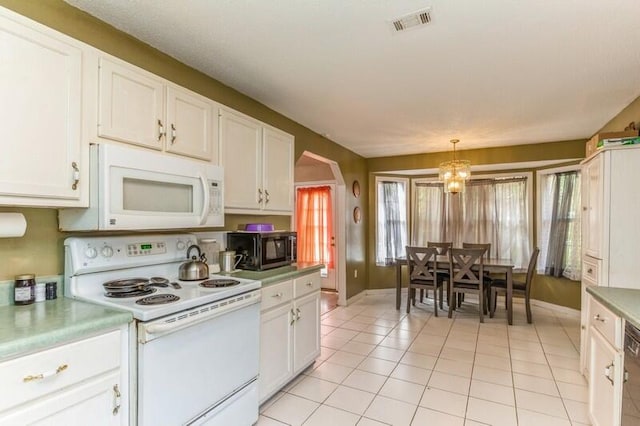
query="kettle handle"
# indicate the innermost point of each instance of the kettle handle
(189, 251)
(239, 257)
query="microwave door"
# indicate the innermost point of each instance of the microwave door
(144, 199)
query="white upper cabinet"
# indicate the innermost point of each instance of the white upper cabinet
(190, 120)
(131, 105)
(140, 108)
(592, 206)
(277, 172)
(258, 164)
(610, 207)
(43, 162)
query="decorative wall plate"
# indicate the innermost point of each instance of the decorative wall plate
(357, 215)
(355, 188)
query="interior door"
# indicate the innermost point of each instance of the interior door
(315, 219)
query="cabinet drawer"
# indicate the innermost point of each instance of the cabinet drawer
(591, 270)
(59, 367)
(608, 324)
(306, 284)
(276, 294)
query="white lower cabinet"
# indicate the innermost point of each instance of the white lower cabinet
(289, 331)
(606, 338)
(83, 382)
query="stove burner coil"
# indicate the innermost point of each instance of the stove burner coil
(134, 293)
(159, 282)
(126, 285)
(217, 283)
(157, 299)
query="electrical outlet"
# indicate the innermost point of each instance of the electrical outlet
(355, 273)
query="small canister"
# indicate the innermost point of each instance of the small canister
(40, 292)
(24, 290)
(51, 291)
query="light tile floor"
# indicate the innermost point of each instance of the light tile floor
(380, 366)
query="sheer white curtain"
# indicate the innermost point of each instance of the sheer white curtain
(560, 232)
(429, 213)
(492, 211)
(392, 220)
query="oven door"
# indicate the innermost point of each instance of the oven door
(275, 251)
(201, 364)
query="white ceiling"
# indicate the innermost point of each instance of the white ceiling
(491, 73)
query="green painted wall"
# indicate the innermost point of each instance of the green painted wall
(40, 250)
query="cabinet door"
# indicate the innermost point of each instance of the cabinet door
(189, 129)
(593, 205)
(40, 106)
(240, 142)
(131, 105)
(277, 170)
(605, 381)
(306, 339)
(276, 338)
(96, 402)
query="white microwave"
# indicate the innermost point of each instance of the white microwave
(135, 189)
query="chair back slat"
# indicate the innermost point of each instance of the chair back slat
(421, 261)
(532, 268)
(443, 247)
(467, 264)
(485, 246)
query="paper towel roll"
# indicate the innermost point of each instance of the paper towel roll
(12, 225)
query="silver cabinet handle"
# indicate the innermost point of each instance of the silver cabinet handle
(309, 284)
(116, 399)
(161, 131)
(590, 270)
(41, 376)
(297, 314)
(277, 295)
(76, 175)
(266, 196)
(597, 317)
(293, 317)
(607, 373)
(173, 133)
(260, 196)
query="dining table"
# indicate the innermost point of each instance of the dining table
(493, 265)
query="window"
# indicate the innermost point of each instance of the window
(559, 222)
(391, 218)
(491, 210)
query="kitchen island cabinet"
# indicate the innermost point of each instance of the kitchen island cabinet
(43, 161)
(289, 331)
(258, 164)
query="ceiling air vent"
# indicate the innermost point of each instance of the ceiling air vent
(411, 20)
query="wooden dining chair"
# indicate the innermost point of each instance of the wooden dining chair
(423, 274)
(467, 276)
(487, 254)
(519, 287)
(443, 250)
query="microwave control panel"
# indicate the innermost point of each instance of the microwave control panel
(215, 197)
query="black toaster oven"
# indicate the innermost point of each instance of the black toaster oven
(263, 250)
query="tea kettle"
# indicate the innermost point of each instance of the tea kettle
(194, 269)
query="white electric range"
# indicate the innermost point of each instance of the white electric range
(197, 350)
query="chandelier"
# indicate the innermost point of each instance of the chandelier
(454, 173)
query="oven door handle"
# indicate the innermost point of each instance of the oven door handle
(149, 332)
(205, 200)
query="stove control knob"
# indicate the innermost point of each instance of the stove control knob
(181, 245)
(91, 253)
(107, 251)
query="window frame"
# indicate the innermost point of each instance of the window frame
(407, 183)
(540, 175)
